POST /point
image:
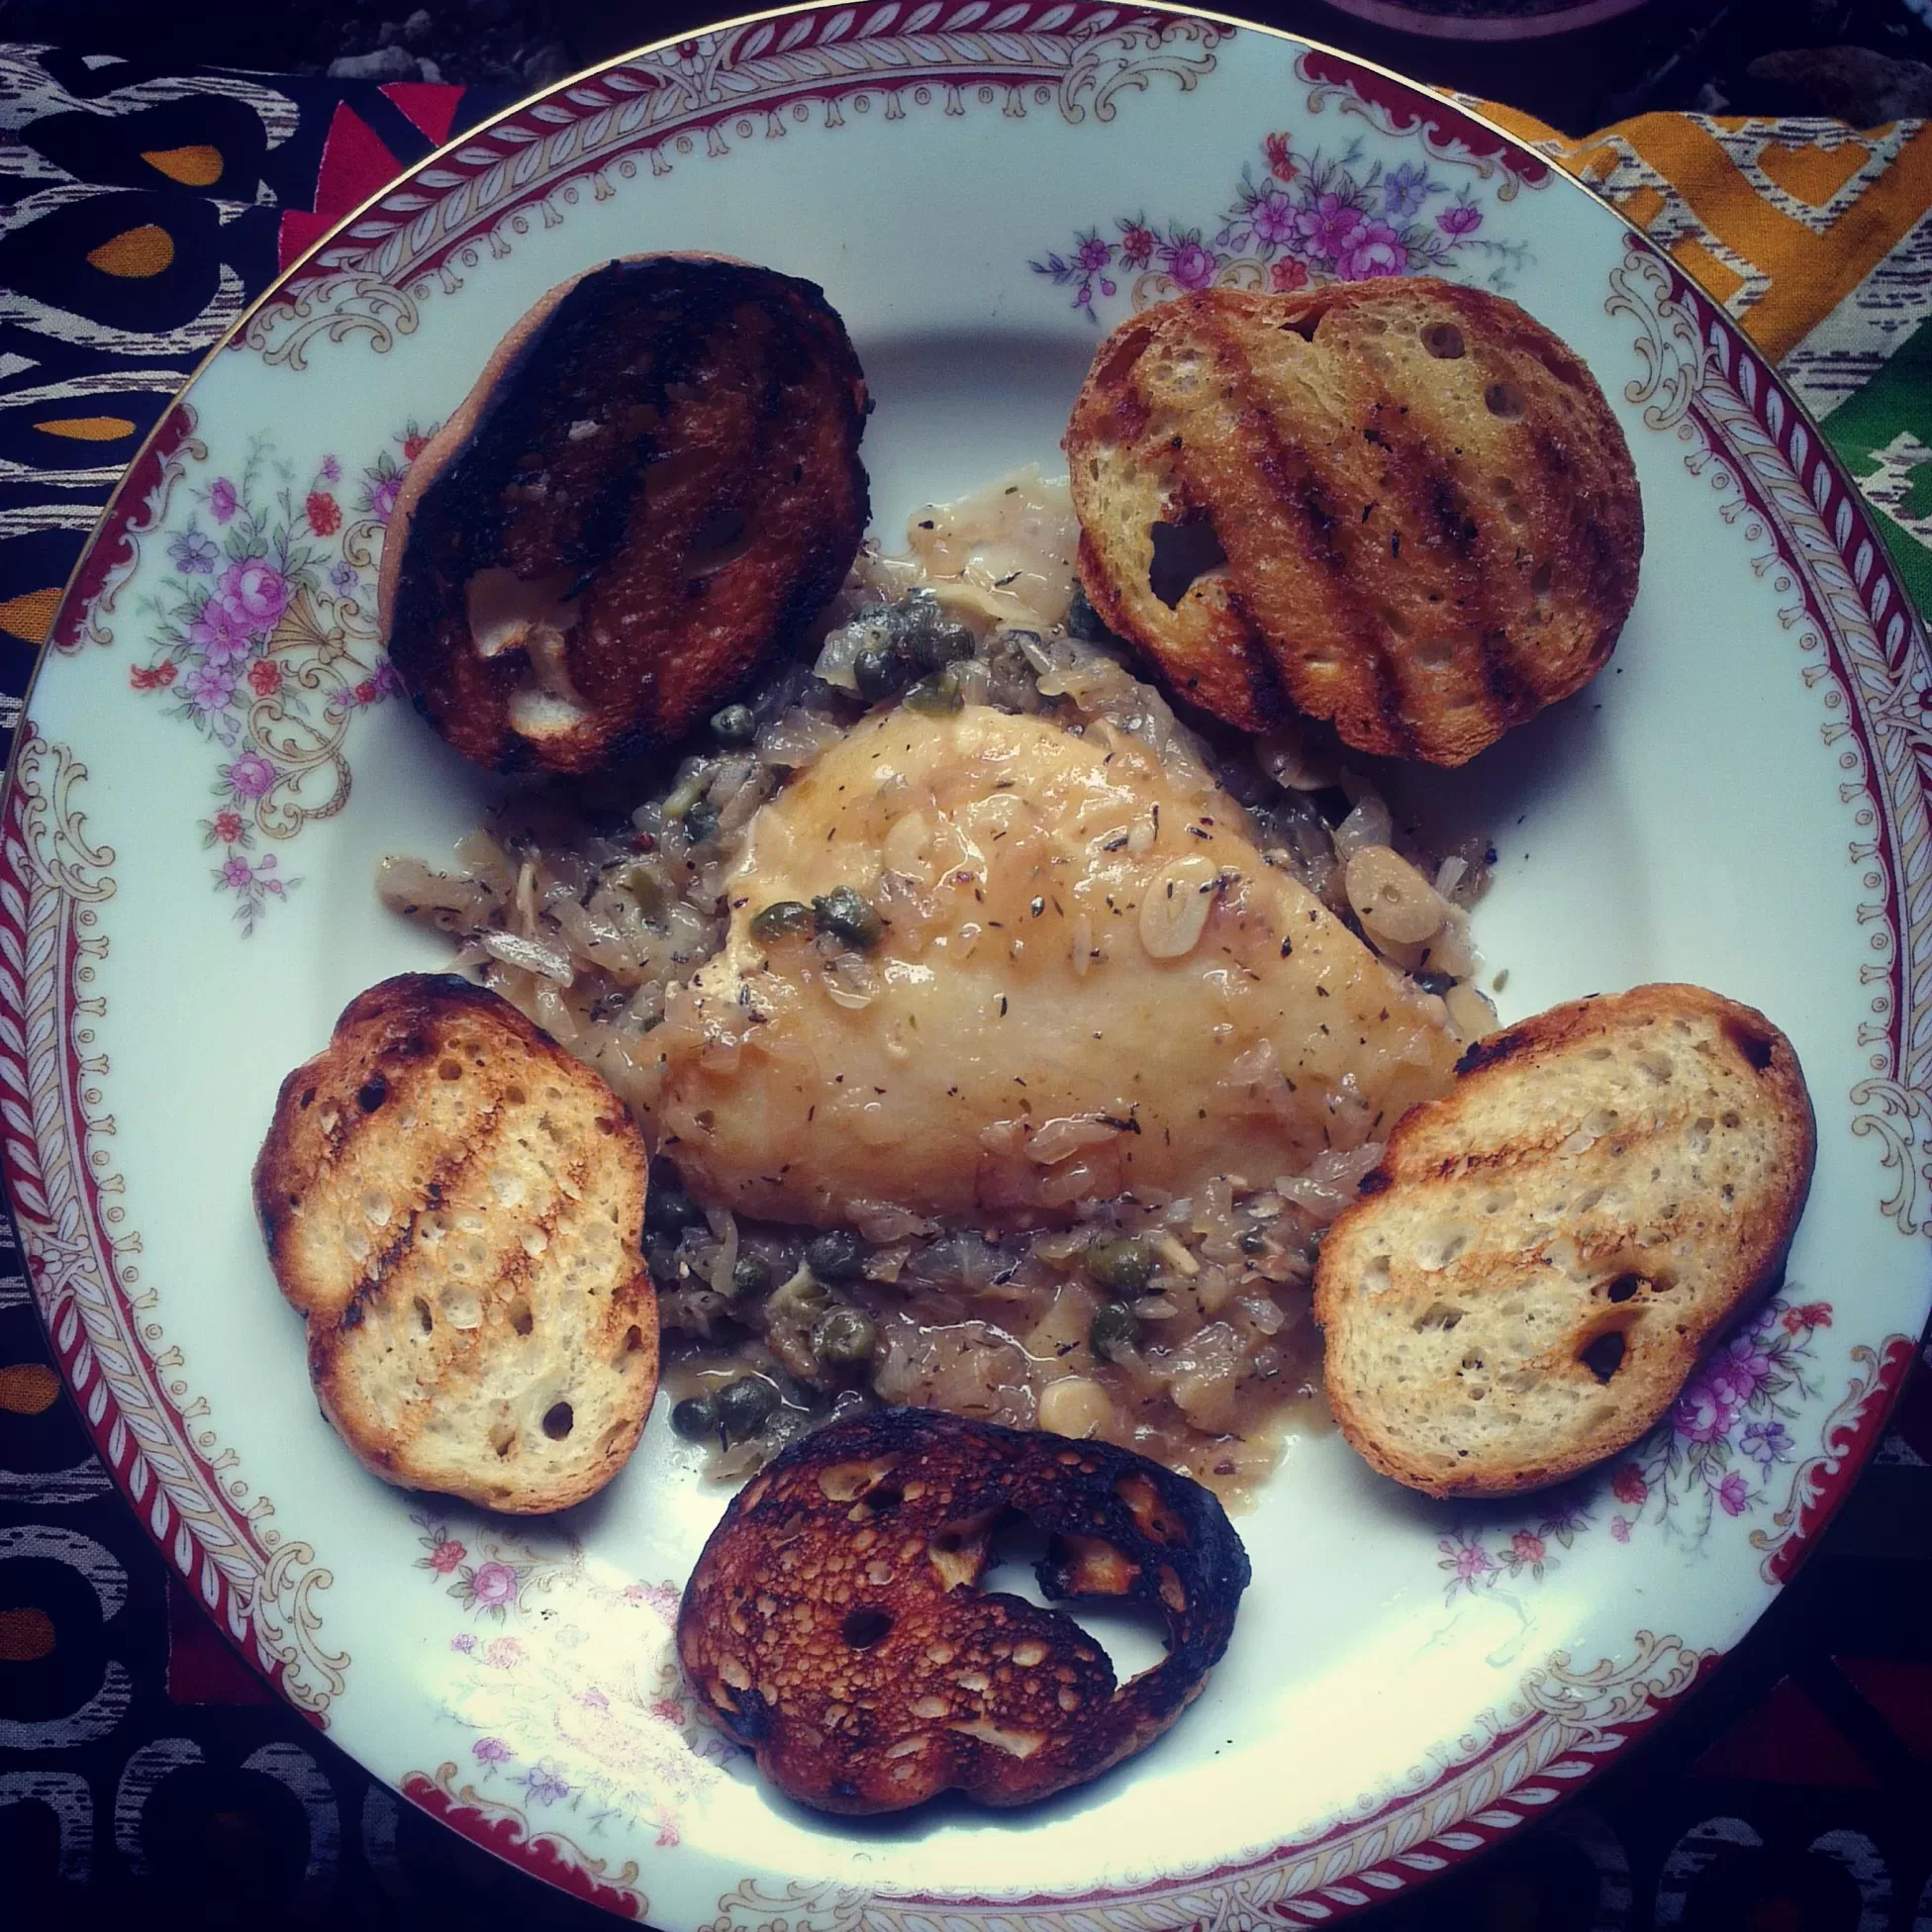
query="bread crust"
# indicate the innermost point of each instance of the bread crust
(1427, 515)
(479, 1319)
(632, 414)
(836, 1627)
(1662, 1264)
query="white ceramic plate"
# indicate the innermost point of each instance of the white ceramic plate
(203, 790)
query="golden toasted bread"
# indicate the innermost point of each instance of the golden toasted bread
(835, 1626)
(1400, 505)
(653, 483)
(1542, 1255)
(456, 1206)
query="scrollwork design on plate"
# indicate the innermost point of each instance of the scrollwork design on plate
(1668, 342)
(335, 309)
(55, 879)
(1899, 1119)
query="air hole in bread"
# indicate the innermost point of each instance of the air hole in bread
(1393, 621)
(1625, 1287)
(1183, 552)
(1603, 1356)
(503, 1438)
(1541, 578)
(1754, 1046)
(449, 1069)
(371, 1093)
(1730, 1117)
(634, 1340)
(514, 1096)
(1443, 341)
(862, 1628)
(424, 1318)
(558, 1420)
(308, 1098)
(1435, 656)
(519, 1316)
(1440, 1316)
(1376, 1275)
(460, 1307)
(377, 1207)
(1503, 400)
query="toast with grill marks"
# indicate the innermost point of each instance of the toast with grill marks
(653, 485)
(456, 1207)
(835, 1624)
(1400, 505)
(1542, 1255)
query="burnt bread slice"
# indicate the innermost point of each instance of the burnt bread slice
(655, 484)
(835, 1626)
(1542, 1255)
(1402, 506)
(456, 1207)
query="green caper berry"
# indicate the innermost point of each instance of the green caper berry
(744, 1406)
(1125, 1263)
(750, 1276)
(845, 916)
(945, 643)
(843, 1336)
(878, 671)
(937, 696)
(1083, 620)
(1254, 1242)
(916, 615)
(700, 821)
(735, 725)
(1116, 1327)
(695, 1418)
(668, 1209)
(780, 919)
(834, 1256)
(661, 1258)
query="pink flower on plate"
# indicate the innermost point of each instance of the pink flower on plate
(491, 1751)
(1526, 1547)
(1280, 157)
(1733, 1495)
(1471, 1561)
(238, 874)
(1375, 248)
(1328, 226)
(1628, 1486)
(251, 775)
(1137, 244)
(1702, 1413)
(494, 1584)
(208, 688)
(221, 500)
(1273, 216)
(1738, 1369)
(1460, 219)
(220, 632)
(256, 591)
(445, 1556)
(1286, 275)
(1192, 265)
(228, 827)
(503, 1653)
(1619, 1529)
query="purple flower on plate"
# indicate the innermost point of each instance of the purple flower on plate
(342, 576)
(1328, 226)
(492, 1585)
(221, 500)
(1733, 1495)
(1702, 1413)
(256, 591)
(379, 498)
(1273, 216)
(1191, 265)
(332, 470)
(1375, 248)
(193, 553)
(1739, 1369)
(491, 1751)
(251, 775)
(208, 687)
(220, 632)
(1460, 219)
(465, 1641)
(1767, 1443)
(1619, 1529)
(545, 1787)
(238, 873)
(1471, 1561)
(1405, 191)
(1092, 253)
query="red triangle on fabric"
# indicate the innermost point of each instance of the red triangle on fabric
(1900, 1691)
(430, 105)
(356, 164)
(1786, 1739)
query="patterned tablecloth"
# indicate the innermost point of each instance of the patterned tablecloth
(147, 1777)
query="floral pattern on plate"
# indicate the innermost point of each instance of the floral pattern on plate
(264, 642)
(1711, 1456)
(1309, 218)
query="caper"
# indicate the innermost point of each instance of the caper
(843, 1336)
(878, 671)
(700, 821)
(1437, 982)
(695, 1418)
(668, 1209)
(735, 725)
(942, 644)
(1083, 620)
(744, 1406)
(834, 1256)
(750, 1276)
(780, 919)
(1254, 1242)
(661, 1258)
(1116, 1327)
(916, 615)
(936, 695)
(1128, 1262)
(845, 916)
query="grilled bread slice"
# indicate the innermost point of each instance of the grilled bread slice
(456, 1206)
(835, 1624)
(1540, 1255)
(1400, 505)
(654, 483)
